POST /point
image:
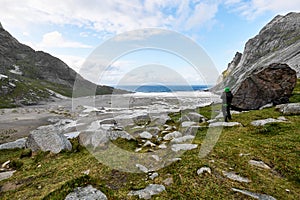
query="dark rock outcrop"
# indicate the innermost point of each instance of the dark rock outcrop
(271, 84)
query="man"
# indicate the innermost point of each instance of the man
(226, 103)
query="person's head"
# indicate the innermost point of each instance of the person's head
(227, 89)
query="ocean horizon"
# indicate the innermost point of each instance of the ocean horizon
(162, 88)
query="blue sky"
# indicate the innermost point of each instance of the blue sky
(72, 29)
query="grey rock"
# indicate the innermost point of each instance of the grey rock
(263, 122)
(142, 168)
(20, 143)
(6, 175)
(183, 139)
(148, 192)
(224, 124)
(94, 139)
(172, 135)
(145, 135)
(235, 177)
(254, 195)
(47, 141)
(188, 124)
(289, 109)
(183, 147)
(86, 193)
(260, 164)
(153, 176)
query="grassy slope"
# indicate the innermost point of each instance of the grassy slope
(278, 145)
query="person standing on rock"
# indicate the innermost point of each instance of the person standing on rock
(226, 103)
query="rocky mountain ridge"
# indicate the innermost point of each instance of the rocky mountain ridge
(277, 42)
(29, 77)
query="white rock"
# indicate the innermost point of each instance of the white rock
(183, 147)
(155, 157)
(254, 195)
(153, 176)
(263, 122)
(20, 143)
(204, 170)
(172, 135)
(188, 124)
(224, 124)
(6, 175)
(150, 190)
(162, 146)
(235, 177)
(260, 164)
(145, 135)
(183, 139)
(86, 193)
(142, 168)
(148, 143)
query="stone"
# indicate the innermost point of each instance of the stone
(289, 109)
(5, 164)
(142, 168)
(263, 122)
(271, 84)
(235, 177)
(145, 135)
(88, 193)
(94, 139)
(172, 135)
(148, 143)
(203, 170)
(183, 139)
(148, 192)
(168, 181)
(153, 176)
(6, 175)
(188, 124)
(183, 147)
(260, 164)
(19, 143)
(224, 124)
(47, 141)
(254, 195)
(269, 105)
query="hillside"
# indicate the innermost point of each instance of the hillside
(277, 42)
(29, 77)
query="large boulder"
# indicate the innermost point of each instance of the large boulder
(270, 84)
(47, 141)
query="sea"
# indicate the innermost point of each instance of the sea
(162, 88)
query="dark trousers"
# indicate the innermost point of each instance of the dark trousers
(226, 112)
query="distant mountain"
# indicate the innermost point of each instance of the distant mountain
(29, 77)
(277, 42)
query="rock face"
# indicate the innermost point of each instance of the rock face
(277, 42)
(88, 192)
(271, 84)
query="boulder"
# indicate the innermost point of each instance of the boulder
(88, 192)
(20, 143)
(47, 141)
(263, 122)
(270, 84)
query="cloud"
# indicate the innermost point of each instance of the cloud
(254, 8)
(55, 39)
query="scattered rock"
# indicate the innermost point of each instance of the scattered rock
(148, 143)
(188, 124)
(204, 170)
(147, 192)
(86, 172)
(145, 135)
(289, 109)
(6, 164)
(172, 135)
(20, 143)
(269, 105)
(254, 195)
(162, 146)
(263, 122)
(153, 176)
(142, 168)
(6, 175)
(235, 177)
(260, 164)
(183, 147)
(88, 192)
(224, 124)
(186, 138)
(47, 141)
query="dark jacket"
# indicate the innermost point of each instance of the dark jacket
(227, 98)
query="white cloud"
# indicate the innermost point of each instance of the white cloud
(254, 8)
(55, 39)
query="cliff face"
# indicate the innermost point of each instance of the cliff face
(29, 77)
(277, 42)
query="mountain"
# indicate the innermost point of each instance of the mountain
(277, 42)
(28, 77)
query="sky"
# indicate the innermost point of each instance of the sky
(75, 30)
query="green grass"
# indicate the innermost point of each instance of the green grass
(296, 93)
(49, 176)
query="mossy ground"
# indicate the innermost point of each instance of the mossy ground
(49, 176)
